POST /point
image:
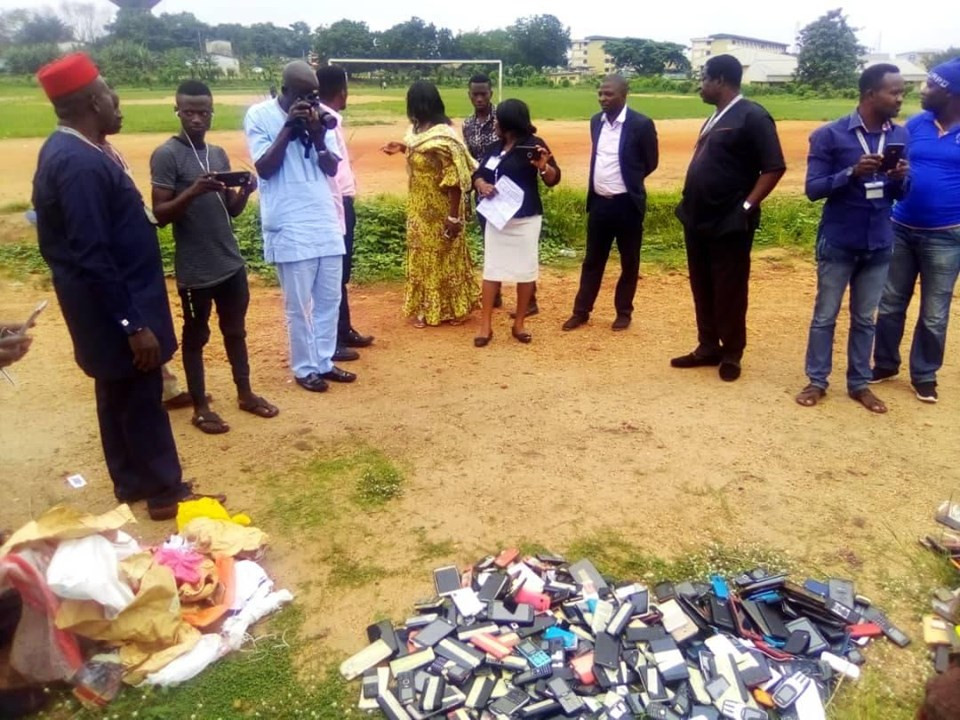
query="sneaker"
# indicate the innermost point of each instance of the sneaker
(926, 392)
(880, 374)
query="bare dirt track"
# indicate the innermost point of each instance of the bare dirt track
(570, 142)
(575, 434)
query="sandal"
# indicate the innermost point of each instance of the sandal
(522, 336)
(420, 322)
(810, 395)
(259, 407)
(210, 423)
(870, 401)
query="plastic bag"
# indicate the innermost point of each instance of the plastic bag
(206, 507)
(185, 667)
(86, 569)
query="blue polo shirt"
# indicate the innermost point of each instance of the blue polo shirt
(934, 198)
(297, 208)
(851, 221)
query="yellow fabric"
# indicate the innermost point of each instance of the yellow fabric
(63, 522)
(207, 508)
(221, 537)
(441, 284)
(150, 631)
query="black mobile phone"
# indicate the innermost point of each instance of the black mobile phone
(233, 179)
(446, 580)
(892, 154)
(530, 150)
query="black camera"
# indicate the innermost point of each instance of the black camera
(326, 119)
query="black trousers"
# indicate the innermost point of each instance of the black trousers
(232, 297)
(719, 278)
(344, 324)
(614, 218)
(137, 440)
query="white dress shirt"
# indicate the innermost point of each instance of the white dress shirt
(607, 178)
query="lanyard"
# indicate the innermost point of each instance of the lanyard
(715, 118)
(866, 146)
(206, 170)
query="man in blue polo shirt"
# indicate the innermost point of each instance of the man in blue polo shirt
(927, 232)
(295, 158)
(855, 240)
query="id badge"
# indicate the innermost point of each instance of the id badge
(492, 163)
(874, 190)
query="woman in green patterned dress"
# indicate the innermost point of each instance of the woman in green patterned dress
(441, 284)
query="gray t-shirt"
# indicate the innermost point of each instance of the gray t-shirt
(206, 248)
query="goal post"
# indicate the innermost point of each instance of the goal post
(407, 61)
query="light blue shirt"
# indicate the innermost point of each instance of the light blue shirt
(297, 208)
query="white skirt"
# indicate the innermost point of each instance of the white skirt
(512, 254)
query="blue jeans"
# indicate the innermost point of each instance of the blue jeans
(311, 301)
(865, 272)
(934, 256)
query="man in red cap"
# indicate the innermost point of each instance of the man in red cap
(101, 246)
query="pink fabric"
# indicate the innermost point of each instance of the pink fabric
(185, 564)
(346, 180)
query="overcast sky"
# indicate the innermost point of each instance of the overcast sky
(892, 30)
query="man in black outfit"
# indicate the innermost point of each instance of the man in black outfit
(736, 163)
(624, 153)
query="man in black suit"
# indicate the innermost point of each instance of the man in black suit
(624, 153)
(736, 163)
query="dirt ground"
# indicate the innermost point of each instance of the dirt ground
(574, 434)
(378, 173)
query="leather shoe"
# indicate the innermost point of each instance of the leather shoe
(312, 382)
(338, 376)
(532, 309)
(729, 371)
(575, 321)
(345, 354)
(356, 340)
(692, 360)
(622, 322)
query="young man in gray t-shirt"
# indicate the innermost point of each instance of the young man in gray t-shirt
(208, 264)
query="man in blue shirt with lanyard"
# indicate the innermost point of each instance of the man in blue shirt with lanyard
(97, 237)
(857, 164)
(927, 238)
(295, 158)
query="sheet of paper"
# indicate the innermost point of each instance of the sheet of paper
(499, 209)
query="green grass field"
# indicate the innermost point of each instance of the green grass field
(24, 111)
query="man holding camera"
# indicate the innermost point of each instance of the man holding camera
(295, 155)
(189, 190)
(856, 164)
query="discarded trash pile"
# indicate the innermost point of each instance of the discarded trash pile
(541, 638)
(99, 610)
(941, 630)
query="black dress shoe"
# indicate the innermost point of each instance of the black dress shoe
(729, 371)
(532, 309)
(575, 321)
(356, 340)
(622, 322)
(312, 382)
(345, 354)
(339, 376)
(692, 360)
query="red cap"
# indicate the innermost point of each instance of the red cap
(67, 75)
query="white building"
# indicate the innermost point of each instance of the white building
(912, 72)
(702, 49)
(220, 53)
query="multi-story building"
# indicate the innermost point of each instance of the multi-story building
(589, 55)
(702, 49)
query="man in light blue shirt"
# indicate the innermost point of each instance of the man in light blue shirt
(295, 156)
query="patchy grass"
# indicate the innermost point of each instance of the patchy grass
(379, 483)
(19, 206)
(346, 572)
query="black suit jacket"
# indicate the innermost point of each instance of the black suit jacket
(639, 154)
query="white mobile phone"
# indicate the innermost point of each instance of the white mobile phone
(33, 317)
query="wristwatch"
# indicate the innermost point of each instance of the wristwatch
(747, 206)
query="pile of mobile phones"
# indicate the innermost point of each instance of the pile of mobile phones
(535, 636)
